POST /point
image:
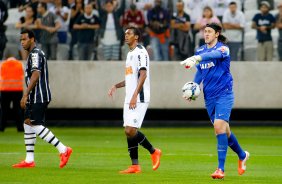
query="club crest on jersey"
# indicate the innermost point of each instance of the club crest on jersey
(135, 121)
(207, 65)
(224, 50)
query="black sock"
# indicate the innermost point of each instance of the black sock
(133, 150)
(142, 140)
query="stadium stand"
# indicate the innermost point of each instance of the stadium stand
(250, 9)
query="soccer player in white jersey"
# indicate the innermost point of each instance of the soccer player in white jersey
(137, 86)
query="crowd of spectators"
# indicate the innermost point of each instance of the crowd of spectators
(171, 29)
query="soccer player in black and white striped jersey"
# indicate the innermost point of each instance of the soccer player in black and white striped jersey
(35, 101)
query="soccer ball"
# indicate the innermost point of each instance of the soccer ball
(191, 90)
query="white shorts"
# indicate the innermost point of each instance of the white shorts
(134, 117)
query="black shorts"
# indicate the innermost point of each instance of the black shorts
(36, 113)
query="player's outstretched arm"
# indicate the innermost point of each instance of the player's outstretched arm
(114, 88)
(215, 54)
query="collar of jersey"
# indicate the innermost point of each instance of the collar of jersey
(206, 46)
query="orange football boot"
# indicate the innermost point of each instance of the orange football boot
(242, 164)
(131, 170)
(218, 174)
(156, 158)
(65, 157)
(24, 164)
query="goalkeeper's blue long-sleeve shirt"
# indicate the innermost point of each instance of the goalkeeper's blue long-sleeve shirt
(214, 70)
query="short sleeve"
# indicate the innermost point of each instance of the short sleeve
(142, 60)
(174, 15)
(97, 20)
(187, 18)
(225, 17)
(78, 20)
(242, 20)
(255, 18)
(56, 18)
(273, 20)
(36, 62)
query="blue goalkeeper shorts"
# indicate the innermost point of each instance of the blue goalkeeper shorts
(220, 107)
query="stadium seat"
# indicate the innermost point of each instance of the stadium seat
(14, 16)
(250, 53)
(249, 14)
(250, 5)
(12, 49)
(63, 52)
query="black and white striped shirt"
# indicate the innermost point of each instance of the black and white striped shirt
(37, 61)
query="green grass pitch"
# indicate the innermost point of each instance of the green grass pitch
(189, 156)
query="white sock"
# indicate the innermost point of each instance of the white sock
(29, 140)
(45, 134)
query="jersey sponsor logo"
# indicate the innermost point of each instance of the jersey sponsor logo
(34, 60)
(207, 65)
(128, 70)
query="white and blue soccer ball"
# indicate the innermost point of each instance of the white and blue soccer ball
(191, 90)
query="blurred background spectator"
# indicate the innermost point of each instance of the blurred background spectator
(133, 17)
(219, 7)
(180, 38)
(76, 10)
(159, 19)
(263, 22)
(207, 18)
(26, 22)
(3, 18)
(49, 25)
(111, 30)
(195, 7)
(33, 3)
(234, 23)
(85, 25)
(278, 18)
(192, 8)
(62, 13)
(271, 4)
(144, 5)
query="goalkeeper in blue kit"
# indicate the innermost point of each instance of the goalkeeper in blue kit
(212, 61)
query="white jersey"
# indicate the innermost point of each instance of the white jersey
(137, 59)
